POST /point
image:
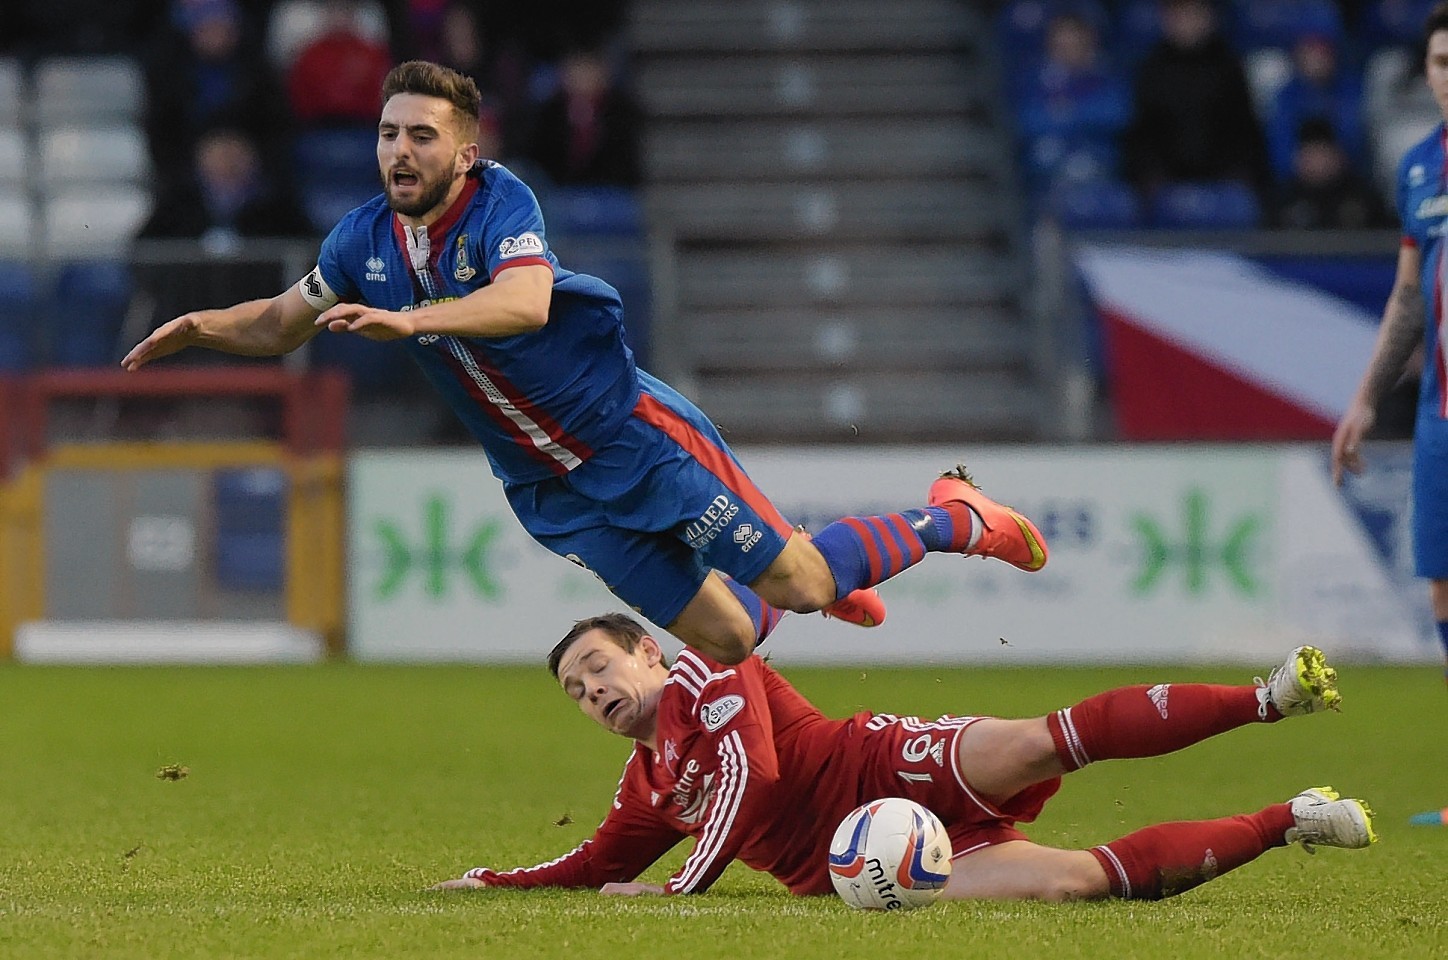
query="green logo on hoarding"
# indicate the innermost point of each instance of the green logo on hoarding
(1195, 551)
(435, 559)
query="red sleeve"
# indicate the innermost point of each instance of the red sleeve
(735, 731)
(628, 841)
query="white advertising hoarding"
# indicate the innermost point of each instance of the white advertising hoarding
(1157, 553)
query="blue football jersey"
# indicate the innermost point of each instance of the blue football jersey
(540, 403)
(1423, 211)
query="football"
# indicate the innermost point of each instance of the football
(890, 854)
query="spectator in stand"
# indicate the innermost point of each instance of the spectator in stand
(1324, 191)
(227, 197)
(1074, 106)
(587, 133)
(207, 69)
(335, 77)
(450, 32)
(1194, 116)
(1318, 88)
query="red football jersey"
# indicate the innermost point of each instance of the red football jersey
(753, 771)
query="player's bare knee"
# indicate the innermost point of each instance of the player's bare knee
(733, 648)
(1081, 878)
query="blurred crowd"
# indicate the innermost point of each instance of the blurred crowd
(259, 116)
(1214, 113)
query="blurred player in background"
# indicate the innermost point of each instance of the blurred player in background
(739, 760)
(602, 463)
(1416, 311)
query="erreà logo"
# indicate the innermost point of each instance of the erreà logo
(375, 266)
(715, 715)
(523, 245)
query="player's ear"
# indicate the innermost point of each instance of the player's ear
(653, 654)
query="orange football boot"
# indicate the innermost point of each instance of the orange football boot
(1007, 536)
(863, 608)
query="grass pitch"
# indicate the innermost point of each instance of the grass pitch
(300, 812)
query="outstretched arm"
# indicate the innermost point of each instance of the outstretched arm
(256, 328)
(1401, 329)
(625, 844)
(516, 302)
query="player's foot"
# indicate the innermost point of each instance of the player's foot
(1305, 683)
(1323, 819)
(1007, 535)
(863, 608)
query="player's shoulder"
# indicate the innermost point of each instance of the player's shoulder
(702, 690)
(364, 220)
(1423, 159)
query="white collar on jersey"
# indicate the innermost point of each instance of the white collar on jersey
(419, 247)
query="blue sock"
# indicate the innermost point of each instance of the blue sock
(1443, 638)
(765, 615)
(867, 551)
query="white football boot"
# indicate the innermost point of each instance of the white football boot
(1305, 683)
(1323, 819)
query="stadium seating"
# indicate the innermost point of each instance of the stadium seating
(1224, 205)
(95, 220)
(12, 93)
(88, 90)
(593, 211)
(1280, 23)
(17, 222)
(250, 507)
(295, 23)
(97, 294)
(1098, 204)
(345, 155)
(19, 293)
(15, 158)
(73, 155)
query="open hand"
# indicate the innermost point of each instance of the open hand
(632, 889)
(367, 321)
(165, 340)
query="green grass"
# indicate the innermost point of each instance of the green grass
(320, 801)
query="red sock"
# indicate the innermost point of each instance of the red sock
(1171, 858)
(1150, 721)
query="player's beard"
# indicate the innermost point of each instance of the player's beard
(430, 195)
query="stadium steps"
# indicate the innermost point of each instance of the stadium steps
(839, 238)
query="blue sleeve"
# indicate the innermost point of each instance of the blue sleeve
(513, 233)
(329, 262)
(1401, 201)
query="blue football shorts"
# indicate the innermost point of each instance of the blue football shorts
(656, 508)
(1430, 496)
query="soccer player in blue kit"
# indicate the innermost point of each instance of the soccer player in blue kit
(1416, 311)
(602, 463)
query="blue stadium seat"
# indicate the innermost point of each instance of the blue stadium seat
(1206, 205)
(250, 506)
(18, 292)
(346, 156)
(95, 295)
(1280, 23)
(594, 211)
(326, 203)
(1395, 22)
(1103, 204)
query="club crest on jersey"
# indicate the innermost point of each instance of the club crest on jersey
(1417, 176)
(715, 715)
(1433, 207)
(375, 266)
(462, 269)
(523, 245)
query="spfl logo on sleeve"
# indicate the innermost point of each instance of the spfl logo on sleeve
(715, 715)
(523, 245)
(462, 269)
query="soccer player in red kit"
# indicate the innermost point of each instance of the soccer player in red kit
(736, 758)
